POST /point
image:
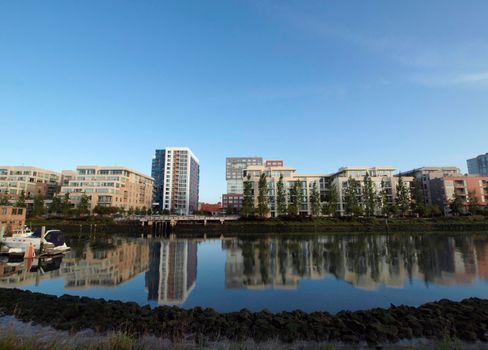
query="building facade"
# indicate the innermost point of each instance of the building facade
(11, 218)
(176, 171)
(234, 167)
(110, 186)
(478, 165)
(232, 203)
(378, 176)
(472, 190)
(273, 173)
(31, 180)
(424, 175)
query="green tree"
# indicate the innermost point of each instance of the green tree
(351, 198)
(383, 199)
(21, 200)
(65, 204)
(38, 209)
(417, 200)
(248, 200)
(84, 206)
(474, 207)
(4, 200)
(131, 211)
(263, 202)
(281, 197)
(55, 207)
(457, 205)
(137, 211)
(332, 199)
(369, 195)
(315, 201)
(403, 196)
(295, 198)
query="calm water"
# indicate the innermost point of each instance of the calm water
(326, 272)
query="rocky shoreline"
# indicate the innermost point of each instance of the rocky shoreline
(466, 321)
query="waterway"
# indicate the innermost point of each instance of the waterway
(320, 272)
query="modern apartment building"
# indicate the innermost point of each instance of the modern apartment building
(234, 167)
(377, 174)
(176, 171)
(253, 172)
(478, 165)
(232, 203)
(425, 174)
(470, 189)
(110, 186)
(31, 180)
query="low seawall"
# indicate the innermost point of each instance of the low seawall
(466, 320)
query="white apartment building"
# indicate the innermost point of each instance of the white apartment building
(177, 174)
(273, 174)
(31, 180)
(377, 174)
(110, 186)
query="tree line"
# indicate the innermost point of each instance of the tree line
(63, 206)
(360, 198)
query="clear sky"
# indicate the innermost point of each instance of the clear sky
(319, 84)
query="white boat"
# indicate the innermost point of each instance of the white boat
(23, 232)
(52, 242)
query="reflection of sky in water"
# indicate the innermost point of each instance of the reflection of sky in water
(193, 274)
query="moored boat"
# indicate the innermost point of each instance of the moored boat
(52, 242)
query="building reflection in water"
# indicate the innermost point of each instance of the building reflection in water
(366, 262)
(172, 271)
(105, 264)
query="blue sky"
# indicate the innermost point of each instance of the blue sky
(319, 84)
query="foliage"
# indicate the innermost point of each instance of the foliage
(263, 205)
(315, 200)
(84, 206)
(330, 206)
(369, 195)
(351, 198)
(295, 199)
(383, 199)
(248, 200)
(38, 209)
(457, 205)
(102, 210)
(417, 199)
(65, 204)
(21, 200)
(403, 196)
(4, 200)
(55, 207)
(281, 198)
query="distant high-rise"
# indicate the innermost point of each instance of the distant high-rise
(176, 173)
(234, 167)
(478, 165)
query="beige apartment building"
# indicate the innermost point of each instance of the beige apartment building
(273, 174)
(110, 186)
(377, 174)
(11, 218)
(31, 180)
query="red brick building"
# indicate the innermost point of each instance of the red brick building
(472, 190)
(211, 208)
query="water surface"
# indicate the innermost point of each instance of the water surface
(325, 272)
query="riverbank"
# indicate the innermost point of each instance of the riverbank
(466, 321)
(340, 225)
(106, 226)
